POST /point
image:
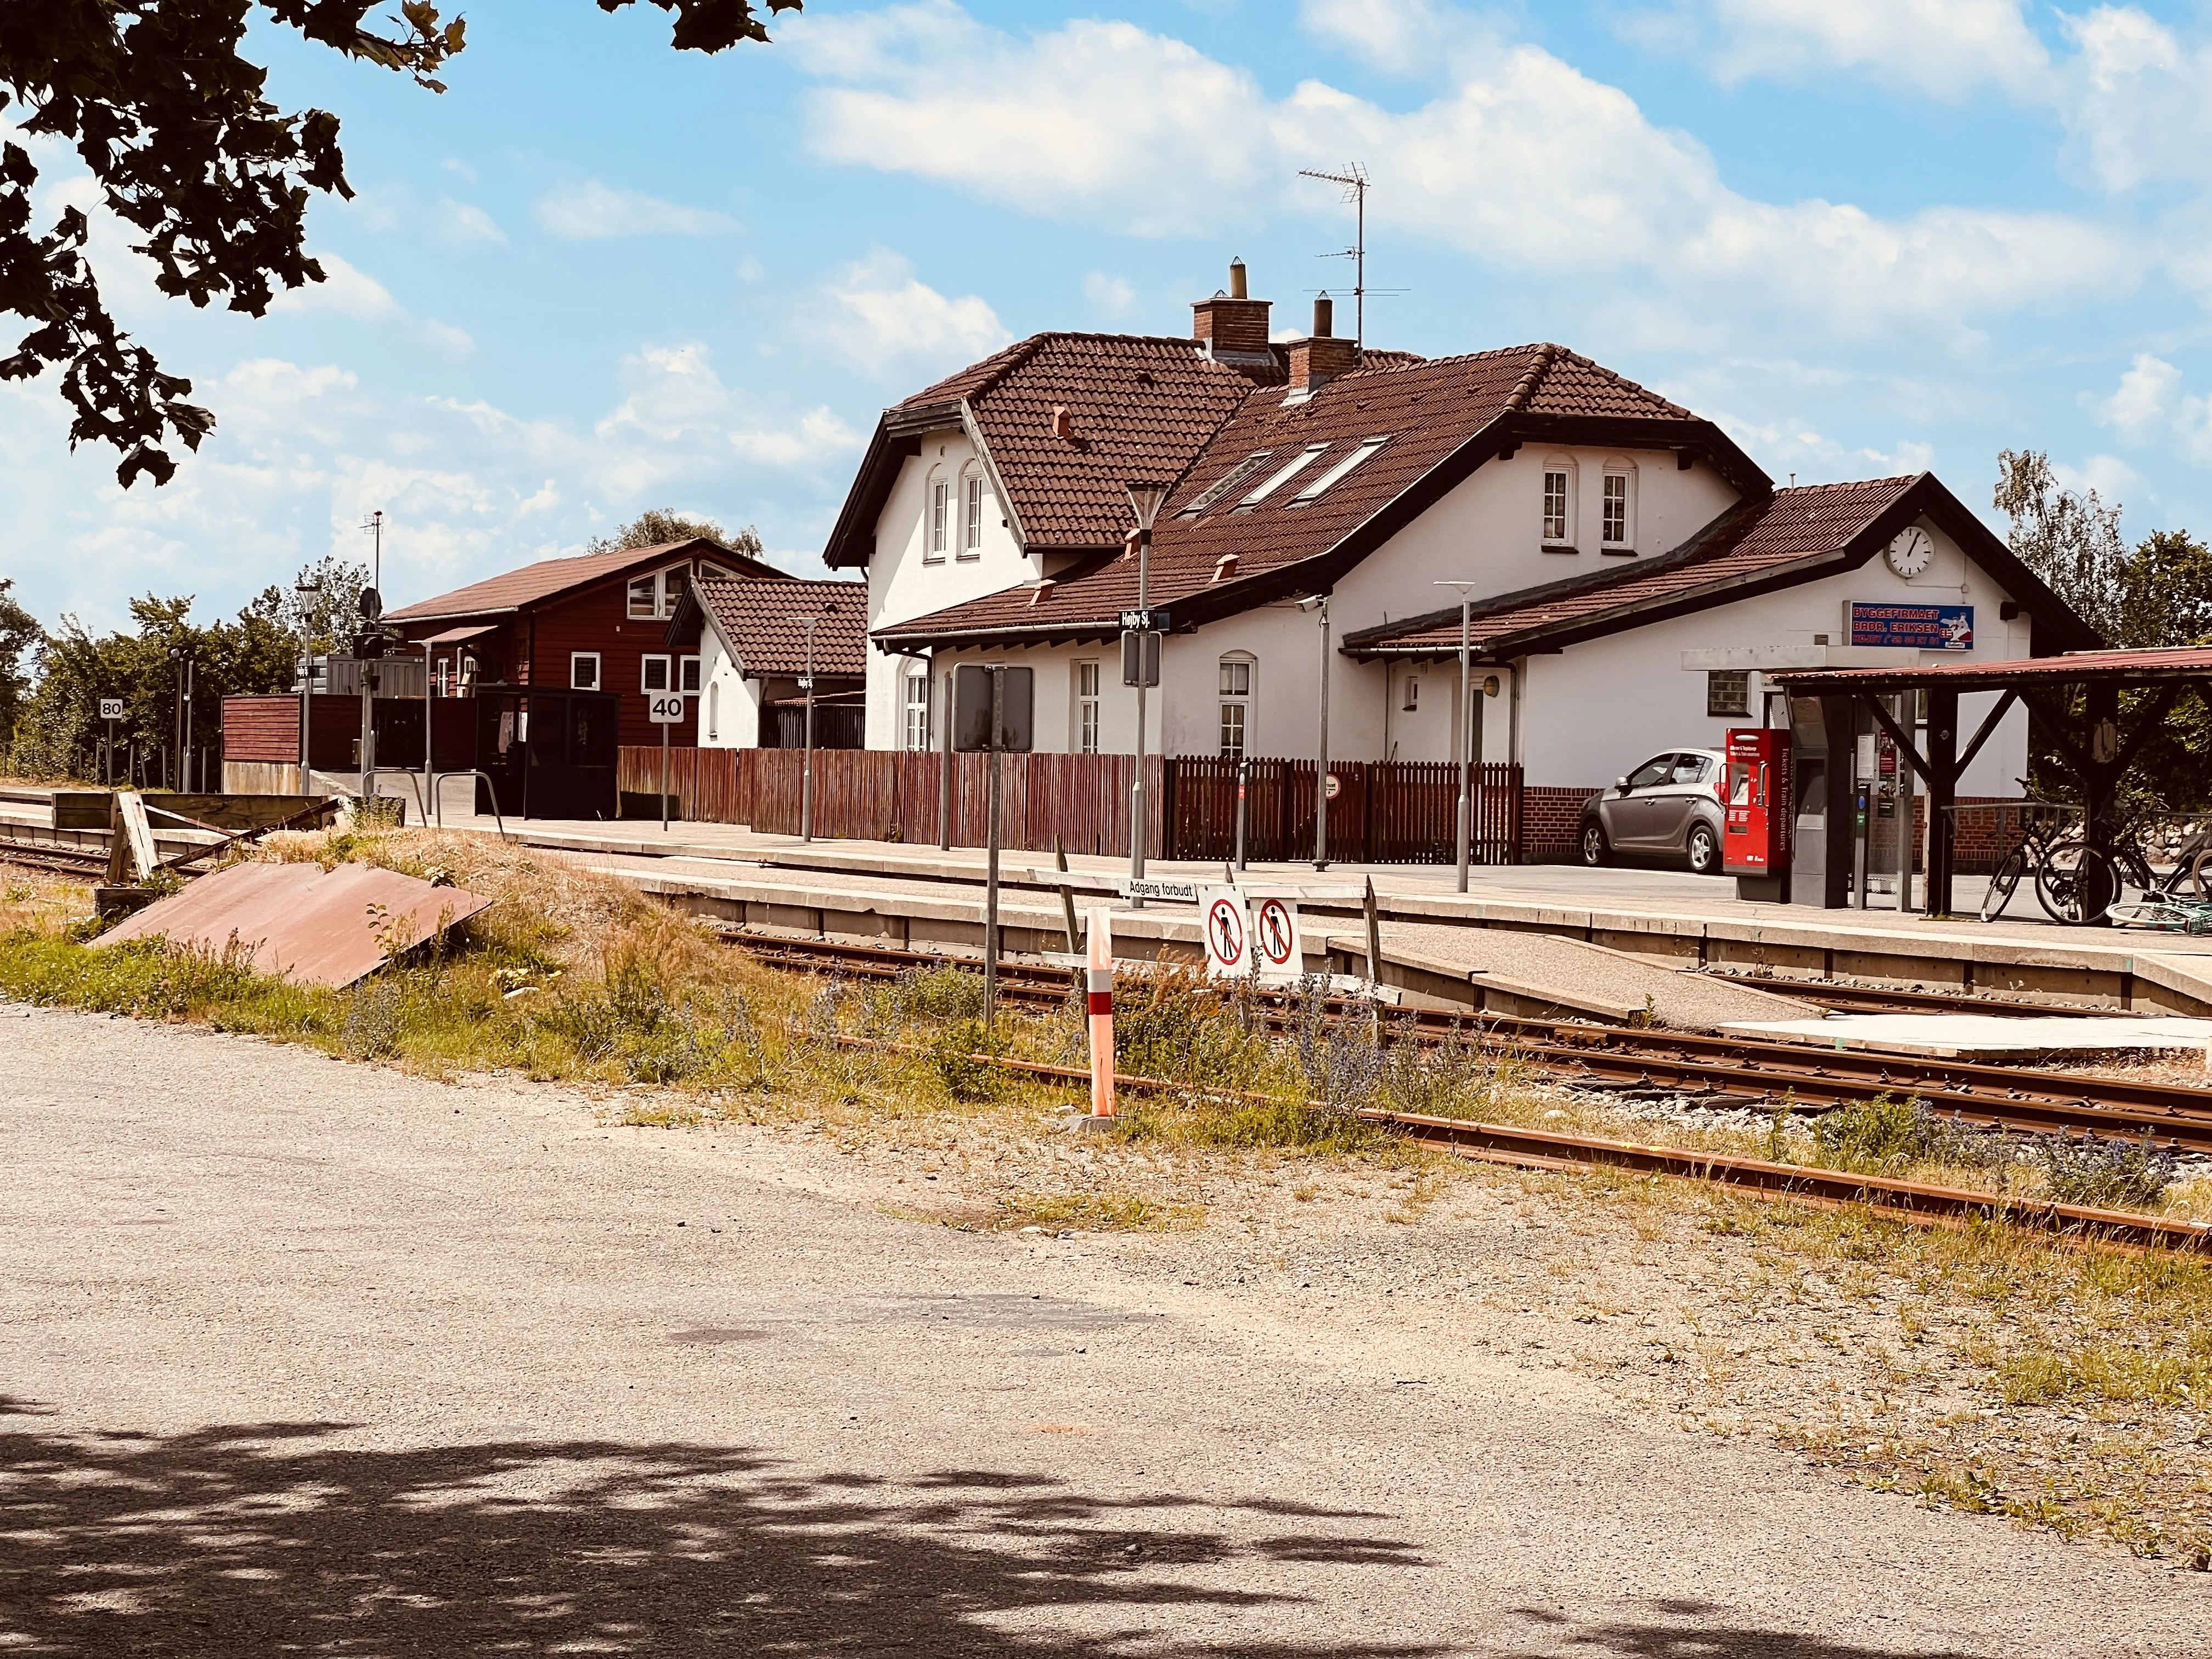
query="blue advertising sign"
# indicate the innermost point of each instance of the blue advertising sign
(1922, 627)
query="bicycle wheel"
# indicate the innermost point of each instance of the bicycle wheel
(2197, 879)
(2154, 913)
(2076, 884)
(2009, 869)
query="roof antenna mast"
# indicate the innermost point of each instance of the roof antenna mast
(1354, 180)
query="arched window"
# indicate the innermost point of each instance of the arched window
(1558, 533)
(936, 516)
(973, 496)
(1238, 671)
(1617, 529)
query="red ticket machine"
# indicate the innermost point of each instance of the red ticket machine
(1759, 802)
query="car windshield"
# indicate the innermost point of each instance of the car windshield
(1651, 773)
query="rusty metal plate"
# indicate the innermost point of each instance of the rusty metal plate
(301, 922)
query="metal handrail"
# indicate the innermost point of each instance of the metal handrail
(437, 782)
(368, 785)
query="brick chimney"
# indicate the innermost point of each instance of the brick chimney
(1320, 357)
(1232, 323)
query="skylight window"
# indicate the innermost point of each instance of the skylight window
(1289, 470)
(1227, 482)
(1361, 451)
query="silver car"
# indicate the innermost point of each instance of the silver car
(1670, 806)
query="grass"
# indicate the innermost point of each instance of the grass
(573, 977)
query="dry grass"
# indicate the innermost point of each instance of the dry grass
(1977, 1367)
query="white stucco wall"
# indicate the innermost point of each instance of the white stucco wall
(904, 581)
(1596, 710)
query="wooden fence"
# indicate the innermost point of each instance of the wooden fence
(1384, 812)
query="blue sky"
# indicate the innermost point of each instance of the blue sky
(597, 275)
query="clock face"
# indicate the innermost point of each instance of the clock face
(1912, 552)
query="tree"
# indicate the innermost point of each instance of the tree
(657, 526)
(19, 632)
(170, 120)
(60, 732)
(327, 616)
(2157, 592)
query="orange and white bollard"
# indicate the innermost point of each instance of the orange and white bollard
(1099, 982)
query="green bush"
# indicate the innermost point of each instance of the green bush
(2105, 1174)
(1886, 1132)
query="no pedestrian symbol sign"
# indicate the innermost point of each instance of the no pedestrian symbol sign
(1276, 927)
(1224, 931)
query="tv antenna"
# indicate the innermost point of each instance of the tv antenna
(1354, 180)
(374, 524)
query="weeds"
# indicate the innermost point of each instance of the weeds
(2105, 1174)
(1886, 1133)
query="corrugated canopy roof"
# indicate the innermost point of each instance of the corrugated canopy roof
(2186, 662)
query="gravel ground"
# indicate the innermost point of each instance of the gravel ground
(303, 1356)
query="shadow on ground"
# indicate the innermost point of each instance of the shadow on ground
(256, 1539)
(266, 1538)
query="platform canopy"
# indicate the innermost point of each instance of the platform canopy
(2091, 731)
(2114, 668)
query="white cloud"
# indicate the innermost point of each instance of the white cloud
(1948, 48)
(345, 289)
(2143, 402)
(1523, 161)
(464, 221)
(1111, 297)
(880, 315)
(591, 209)
(1402, 37)
(2112, 478)
(2137, 100)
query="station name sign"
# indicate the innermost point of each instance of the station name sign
(1921, 627)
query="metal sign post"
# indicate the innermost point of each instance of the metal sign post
(993, 711)
(664, 709)
(1243, 782)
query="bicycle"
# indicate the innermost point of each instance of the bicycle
(2074, 883)
(2181, 843)
(2163, 916)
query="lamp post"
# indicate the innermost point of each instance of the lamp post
(1466, 806)
(1320, 602)
(807, 760)
(1145, 498)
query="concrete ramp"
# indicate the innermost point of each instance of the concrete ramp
(1503, 971)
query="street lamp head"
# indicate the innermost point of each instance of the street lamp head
(1311, 600)
(1465, 585)
(1146, 497)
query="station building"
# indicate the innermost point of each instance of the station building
(1634, 575)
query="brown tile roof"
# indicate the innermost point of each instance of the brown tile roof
(516, 589)
(1142, 407)
(1759, 537)
(1430, 411)
(759, 620)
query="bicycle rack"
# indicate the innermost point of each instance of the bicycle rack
(438, 795)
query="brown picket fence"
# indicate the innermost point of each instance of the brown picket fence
(1382, 812)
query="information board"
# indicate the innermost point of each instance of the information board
(1919, 627)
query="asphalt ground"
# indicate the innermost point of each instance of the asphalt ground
(303, 1357)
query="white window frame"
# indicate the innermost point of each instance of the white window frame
(971, 514)
(646, 664)
(592, 657)
(688, 675)
(1622, 472)
(936, 518)
(914, 712)
(1235, 700)
(1558, 530)
(1228, 481)
(1362, 451)
(1283, 474)
(1089, 675)
(445, 675)
(651, 583)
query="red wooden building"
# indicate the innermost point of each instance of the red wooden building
(595, 622)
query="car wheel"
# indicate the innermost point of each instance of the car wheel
(1704, 850)
(1596, 850)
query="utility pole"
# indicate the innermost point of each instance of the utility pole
(1146, 499)
(1466, 806)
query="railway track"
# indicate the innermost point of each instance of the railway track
(44, 855)
(1918, 1201)
(1718, 1070)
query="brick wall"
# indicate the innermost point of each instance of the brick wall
(1549, 815)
